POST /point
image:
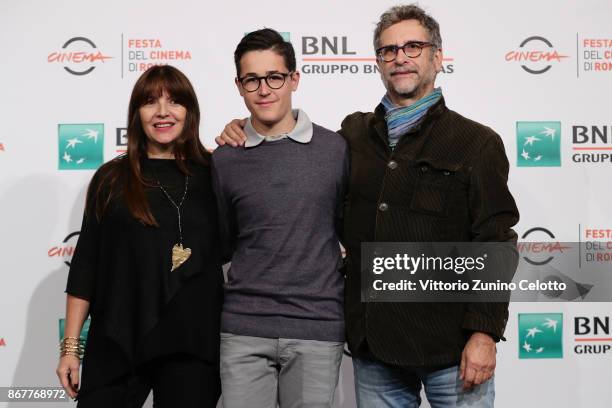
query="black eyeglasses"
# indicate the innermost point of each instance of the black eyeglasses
(412, 49)
(275, 80)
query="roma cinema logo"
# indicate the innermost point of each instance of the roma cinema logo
(79, 56)
(536, 55)
(66, 249)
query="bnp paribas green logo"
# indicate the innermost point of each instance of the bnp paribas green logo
(540, 335)
(538, 144)
(81, 146)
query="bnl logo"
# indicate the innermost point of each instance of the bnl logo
(326, 46)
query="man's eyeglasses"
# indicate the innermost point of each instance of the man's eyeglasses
(275, 80)
(412, 49)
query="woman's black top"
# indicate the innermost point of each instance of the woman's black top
(140, 310)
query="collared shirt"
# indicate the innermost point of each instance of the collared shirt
(302, 132)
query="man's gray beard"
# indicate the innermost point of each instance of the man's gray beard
(409, 94)
(418, 90)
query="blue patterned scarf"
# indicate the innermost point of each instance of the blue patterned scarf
(402, 119)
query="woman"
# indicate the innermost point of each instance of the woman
(146, 266)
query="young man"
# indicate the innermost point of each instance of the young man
(280, 197)
(420, 173)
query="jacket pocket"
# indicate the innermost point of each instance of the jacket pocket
(436, 188)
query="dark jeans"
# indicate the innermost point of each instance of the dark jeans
(177, 381)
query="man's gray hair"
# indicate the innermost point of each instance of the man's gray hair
(398, 14)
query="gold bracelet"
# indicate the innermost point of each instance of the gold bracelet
(70, 353)
(71, 346)
(70, 340)
(75, 349)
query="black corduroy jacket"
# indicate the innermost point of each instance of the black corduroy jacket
(444, 182)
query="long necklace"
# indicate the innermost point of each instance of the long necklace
(179, 254)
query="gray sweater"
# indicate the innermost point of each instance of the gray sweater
(279, 205)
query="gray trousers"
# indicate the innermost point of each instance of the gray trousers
(258, 372)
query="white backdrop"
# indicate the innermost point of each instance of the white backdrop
(41, 203)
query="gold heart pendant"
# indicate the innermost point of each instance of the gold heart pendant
(179, 255)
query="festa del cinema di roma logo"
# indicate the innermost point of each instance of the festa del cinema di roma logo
(540, 335)
(536, 55)
(540, 253)
(78, 55)
(65, 250)
(80, 146)
(538, 144)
